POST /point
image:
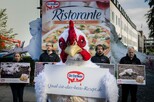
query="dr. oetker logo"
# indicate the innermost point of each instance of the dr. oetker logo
(52, 4)
(75, 76)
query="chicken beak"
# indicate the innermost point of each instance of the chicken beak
(72, 50)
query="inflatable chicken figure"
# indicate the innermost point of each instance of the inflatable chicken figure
(73, 47)
(35, 41)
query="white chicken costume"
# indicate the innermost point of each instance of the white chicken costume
(73, 47)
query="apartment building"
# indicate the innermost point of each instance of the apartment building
(141, 39)
(149, 45)
(125, 28)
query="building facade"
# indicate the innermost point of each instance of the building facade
(125, 28)
(149, 46)
(141, 38)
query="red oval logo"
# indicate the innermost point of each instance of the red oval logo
(75, 76)
(52, 4)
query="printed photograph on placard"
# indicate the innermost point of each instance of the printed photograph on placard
(131, 74)
(111, 67)
(14, 72)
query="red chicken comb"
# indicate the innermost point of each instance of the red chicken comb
(71, 33)
(71, 24)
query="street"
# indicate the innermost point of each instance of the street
(6, 94)
(145, 92)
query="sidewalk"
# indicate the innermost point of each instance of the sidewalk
(6, 94)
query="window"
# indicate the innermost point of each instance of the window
(119, 22)
(116, 20)
(112, 16)
(121, 25)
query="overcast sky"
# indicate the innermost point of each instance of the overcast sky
(136, 10)
(20, 13)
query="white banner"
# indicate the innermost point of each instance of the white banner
(75, 80)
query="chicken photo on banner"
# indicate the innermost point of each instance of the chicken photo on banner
(74, 51)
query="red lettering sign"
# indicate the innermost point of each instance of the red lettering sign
(52, 4)
(75, 76)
